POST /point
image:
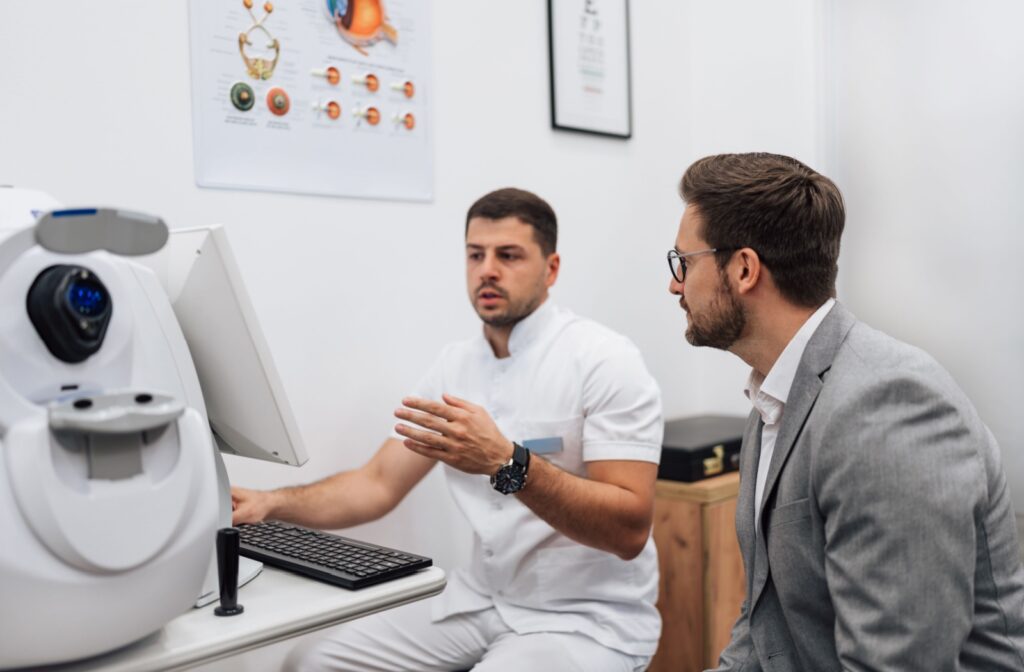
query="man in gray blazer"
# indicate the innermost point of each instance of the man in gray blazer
(874, 520)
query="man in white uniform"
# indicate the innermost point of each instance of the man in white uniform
(550, 428)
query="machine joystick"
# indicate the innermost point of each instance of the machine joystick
(227, 572)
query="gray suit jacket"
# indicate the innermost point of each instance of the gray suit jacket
(887, 538)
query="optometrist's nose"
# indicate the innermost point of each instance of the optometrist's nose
(489, 267)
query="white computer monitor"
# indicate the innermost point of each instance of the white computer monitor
(245, 401)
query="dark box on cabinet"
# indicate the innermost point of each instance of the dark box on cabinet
(701, 446)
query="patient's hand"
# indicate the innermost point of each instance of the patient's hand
(249, 506)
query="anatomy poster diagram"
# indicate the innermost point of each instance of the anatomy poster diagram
(313, 96)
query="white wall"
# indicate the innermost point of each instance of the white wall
(926, 139)
(356, 296)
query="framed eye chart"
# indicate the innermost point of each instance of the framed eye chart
(588, 42)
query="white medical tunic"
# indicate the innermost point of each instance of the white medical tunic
(571, 378)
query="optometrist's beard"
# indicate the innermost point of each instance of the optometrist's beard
(515, 309)
(720, 324)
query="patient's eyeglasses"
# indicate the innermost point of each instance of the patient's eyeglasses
(677, 261)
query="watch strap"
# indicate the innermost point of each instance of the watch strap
(521, 456)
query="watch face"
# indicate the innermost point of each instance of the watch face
(509, 479)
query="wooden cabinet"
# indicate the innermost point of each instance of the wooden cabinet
(702, 584)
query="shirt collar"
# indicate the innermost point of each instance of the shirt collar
(531, 327)
(769, 393)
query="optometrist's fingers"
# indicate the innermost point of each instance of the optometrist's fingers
(427, 420)
(458, 402)
(430, 439)
(433, 407)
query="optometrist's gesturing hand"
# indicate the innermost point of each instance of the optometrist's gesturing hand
(459, 433)
(610, 508)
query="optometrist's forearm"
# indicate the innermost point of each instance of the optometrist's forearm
(610, 510)
(342, 500)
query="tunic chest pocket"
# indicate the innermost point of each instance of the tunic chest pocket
(568, 430)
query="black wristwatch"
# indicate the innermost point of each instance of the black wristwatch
(511, 476)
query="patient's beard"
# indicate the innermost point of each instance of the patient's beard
(723, 322)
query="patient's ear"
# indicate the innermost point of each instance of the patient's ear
(745, 270)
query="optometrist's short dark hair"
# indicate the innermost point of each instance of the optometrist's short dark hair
(523, 205)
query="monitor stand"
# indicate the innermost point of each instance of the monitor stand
(247, 567)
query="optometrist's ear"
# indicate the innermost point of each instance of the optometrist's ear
(554, 264)
(745, 269)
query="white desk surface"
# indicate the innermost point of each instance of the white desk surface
(278, 605)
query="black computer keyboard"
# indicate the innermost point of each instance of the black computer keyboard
(327, 557)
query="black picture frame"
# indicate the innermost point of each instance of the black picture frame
(589, 67)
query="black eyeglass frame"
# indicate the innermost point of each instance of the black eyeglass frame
(682, 257)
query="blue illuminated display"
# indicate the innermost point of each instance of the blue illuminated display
(86, 298)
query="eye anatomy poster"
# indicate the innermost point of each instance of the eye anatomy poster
(313, 96)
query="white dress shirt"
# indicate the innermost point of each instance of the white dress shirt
(572, 378)
(769, 393)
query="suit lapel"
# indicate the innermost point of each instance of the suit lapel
(749, 454)
(817, 359)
